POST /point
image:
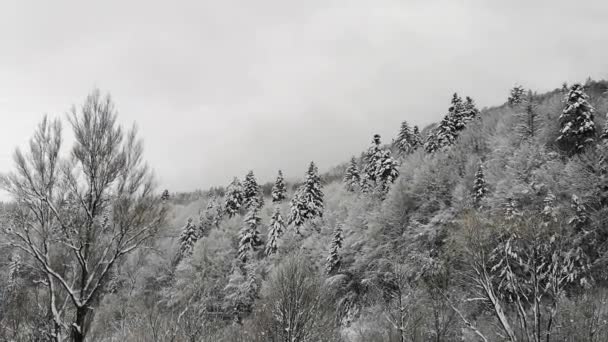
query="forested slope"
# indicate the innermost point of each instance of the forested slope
(489, 226)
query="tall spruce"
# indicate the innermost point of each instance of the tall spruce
(334, 259)
(480, 188)
(576, 121)
(233, 198)
(381, 169)
(351, 176)
(417, 138)
(372, 158)
(252, 192)
(529, 124)
(279, 190)
(459, 114)
(307, 203)
(187, 239)
(517, 95)
(275, 230)
(249, 236)
(405, 142)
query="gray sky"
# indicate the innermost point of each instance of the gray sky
(221, 87)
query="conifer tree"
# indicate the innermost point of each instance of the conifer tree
(387, 171)
(307, 203)
(405, 142)
(334, 259)
(480, 187)
(252, 193)
(187, 239)
(470, 111)
(249, 236)
(511, 211)
(351, 177)
(529, 122)
(372, 158)
(275, 230)
(576, 121)
(549, 212)
(279, 190)
(417, 138)
(381, 170)
(241, 291)
(234, 198)
(517, 95)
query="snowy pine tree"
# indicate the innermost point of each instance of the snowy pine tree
(417, 138)
(405, 142)
(249, 236)
(459, 114)
(480, 188)
(275, 230)
(252, 193)
(187, 239)
(381, 170)
(529, 123)
(469, 110)
(333, 259)
(279, 190)
(233, 198)
(307, 203)
(517, 95)
(576, 121)
(387, 171)
(351, 176)
(165, 196)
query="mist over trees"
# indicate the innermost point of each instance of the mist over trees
(489, 226)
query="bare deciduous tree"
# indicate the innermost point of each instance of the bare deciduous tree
(78, 216)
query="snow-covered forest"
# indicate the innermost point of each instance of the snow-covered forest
(489, 225)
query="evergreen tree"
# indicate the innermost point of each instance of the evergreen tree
(234, 198)
(334, 259)
(549, 212)
(307, 203)
(576, 121)
(529, 122)
(249, 240)
(417, 138)
(275, 230)
(252, 193)
(517, 95)
(480, 187)
(381, 170)
(279, 190)
(366, 184)
(187, 239)
(511, 211)
(459, 114)
(372, 158)
(470, 111)
(387, 171)
(165, 196)
(351, 177)
(405, 142)
(241, 291)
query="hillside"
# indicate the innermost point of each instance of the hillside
(487, 226)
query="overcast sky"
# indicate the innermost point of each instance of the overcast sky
(221, 87)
